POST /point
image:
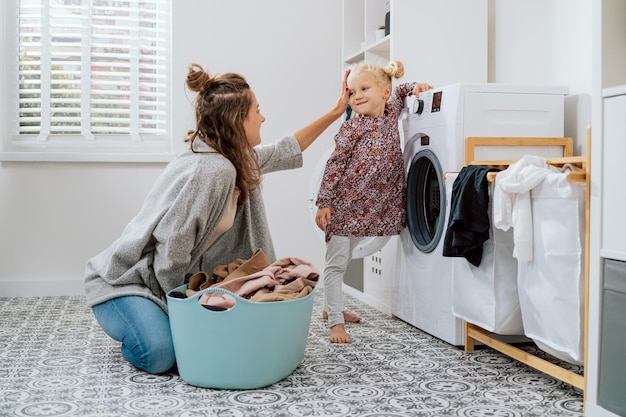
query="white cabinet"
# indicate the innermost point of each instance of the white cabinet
(440, 42)
(613, 243)
(608, 195)
(377, 277)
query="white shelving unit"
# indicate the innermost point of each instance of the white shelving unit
(608, 202)
(441, 42)
(361, 18)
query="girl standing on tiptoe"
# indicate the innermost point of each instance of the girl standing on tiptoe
(363, 189)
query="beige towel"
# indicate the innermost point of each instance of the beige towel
(238, 268)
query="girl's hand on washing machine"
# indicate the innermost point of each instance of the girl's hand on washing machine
(322, 218)
(420, 87)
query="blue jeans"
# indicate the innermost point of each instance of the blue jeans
(142, 327)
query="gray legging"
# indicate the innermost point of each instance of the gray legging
(338, 256)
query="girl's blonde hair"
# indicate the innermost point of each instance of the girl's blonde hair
(382, 74)
(221, 105)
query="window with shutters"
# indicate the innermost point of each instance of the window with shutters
(87, 80)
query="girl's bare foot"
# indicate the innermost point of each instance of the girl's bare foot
(347, 317)
(338, 334)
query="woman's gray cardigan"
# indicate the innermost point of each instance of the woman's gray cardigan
(167, 239)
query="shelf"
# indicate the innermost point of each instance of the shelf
(355, 57)
(375, 51)
(382, 45)
(361, 19)
(611, 254)
(617, 90)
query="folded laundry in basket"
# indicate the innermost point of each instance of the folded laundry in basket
(468, 225)
(285, 276)
(237, 268)
(219, 301)
(285, 279)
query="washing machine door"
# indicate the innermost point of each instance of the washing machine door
(425, 196)
(367, 246)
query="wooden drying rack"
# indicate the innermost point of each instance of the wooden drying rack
(473, 332)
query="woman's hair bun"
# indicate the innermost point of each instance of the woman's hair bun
(197, 78)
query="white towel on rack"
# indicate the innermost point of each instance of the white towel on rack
(511, 201)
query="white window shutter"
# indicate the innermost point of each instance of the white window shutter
(93, 71)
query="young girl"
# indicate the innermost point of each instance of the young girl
(362, 192)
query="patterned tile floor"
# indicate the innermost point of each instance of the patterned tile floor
(55, 361)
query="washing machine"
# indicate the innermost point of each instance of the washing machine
(433, 132)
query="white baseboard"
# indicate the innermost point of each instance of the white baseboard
(368, 299)
(50, 288)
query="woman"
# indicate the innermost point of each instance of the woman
(204, 210)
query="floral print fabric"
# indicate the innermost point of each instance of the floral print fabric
(364, 180)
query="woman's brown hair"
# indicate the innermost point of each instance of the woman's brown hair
(222, 104)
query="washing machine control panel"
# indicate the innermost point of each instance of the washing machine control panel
(418, 106)
(436, 102)
(428, 102)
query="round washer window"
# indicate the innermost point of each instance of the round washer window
(425, 201)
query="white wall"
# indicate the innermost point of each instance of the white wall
(54, 216)
(545, 43)
(290, 54)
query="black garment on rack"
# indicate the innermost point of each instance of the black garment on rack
(469, 223)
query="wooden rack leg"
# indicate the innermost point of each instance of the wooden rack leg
(469, 342)
(542, 365)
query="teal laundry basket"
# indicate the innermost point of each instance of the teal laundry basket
(251, 345)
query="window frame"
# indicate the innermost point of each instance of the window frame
(62, 148)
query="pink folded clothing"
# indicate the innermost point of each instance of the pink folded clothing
(217, 301)
(285, 279)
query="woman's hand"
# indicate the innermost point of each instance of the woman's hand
(420, 87)
(310, 132)
(342, 101)
(322, 218)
